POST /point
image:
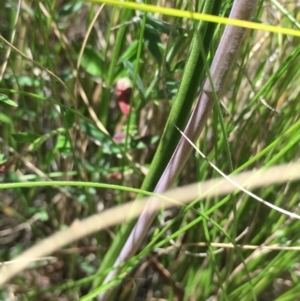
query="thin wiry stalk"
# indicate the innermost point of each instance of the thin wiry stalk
(222, 62)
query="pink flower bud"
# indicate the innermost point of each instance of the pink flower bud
(123, 92)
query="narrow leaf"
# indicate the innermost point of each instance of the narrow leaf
(92, 61)
(6, 100)
(24, 137)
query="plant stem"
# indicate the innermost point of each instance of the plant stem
(192, 77)
(223, 60)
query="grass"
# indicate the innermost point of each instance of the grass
(60, 116)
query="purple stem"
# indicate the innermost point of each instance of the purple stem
(222, 62)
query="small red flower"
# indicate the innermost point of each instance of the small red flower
(123, 92)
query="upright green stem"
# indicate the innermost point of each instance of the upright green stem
(180, 112)
(106, 98)
(194, 73)
(223, 60)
